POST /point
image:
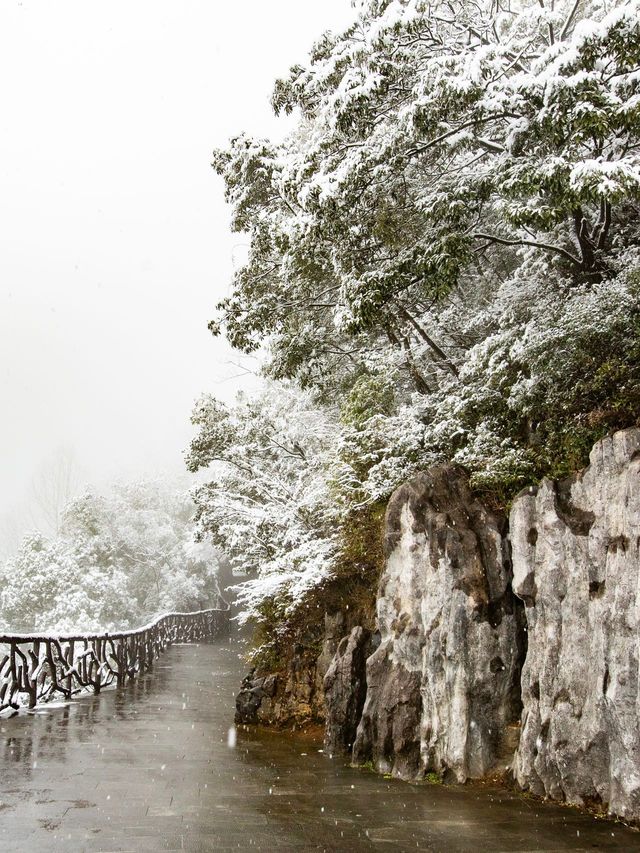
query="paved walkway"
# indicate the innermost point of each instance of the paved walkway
(149, 768)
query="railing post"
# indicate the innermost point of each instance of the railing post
(69, 659)
(97, 650)
(33, 677)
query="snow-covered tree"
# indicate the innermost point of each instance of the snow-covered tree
(48, 586)
(269, 504)
(436, 142)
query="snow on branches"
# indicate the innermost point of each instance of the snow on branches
(268, 505)
(429, 134)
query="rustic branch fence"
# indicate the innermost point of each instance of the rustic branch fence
(36, 667)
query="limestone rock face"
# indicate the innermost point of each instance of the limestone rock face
(345, 688)
(335, 628)
(577, 568)
(443, 686)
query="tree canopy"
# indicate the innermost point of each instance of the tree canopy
(435, 142)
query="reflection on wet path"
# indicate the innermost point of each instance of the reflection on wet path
(148, 768)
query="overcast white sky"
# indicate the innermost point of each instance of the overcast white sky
(114, 236)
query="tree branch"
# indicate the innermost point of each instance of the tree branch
(582, 229)
(548, 247)
(422, 148)
(604, 224)
(569, 20)
(421, 384)
(441, 355)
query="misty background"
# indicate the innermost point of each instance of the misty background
(114, 235)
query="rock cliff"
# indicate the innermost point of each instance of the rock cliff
(443, 686)
(345, 689)
(577, 568)
(292, 696)
(496, 646)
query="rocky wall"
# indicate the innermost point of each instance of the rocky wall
(576, 565)
(443, 685)
(292, 697)
(497, 648)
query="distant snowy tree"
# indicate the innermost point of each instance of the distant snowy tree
(120, 558)
(48, 586)
(53, 485)
(147, 528)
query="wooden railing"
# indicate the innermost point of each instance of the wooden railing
(36, 668)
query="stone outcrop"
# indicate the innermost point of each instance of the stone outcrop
(443, 684)
(442, 687)
(345, 689)
(288, 698)
(292, 697)
(254, 702)
(577, 568)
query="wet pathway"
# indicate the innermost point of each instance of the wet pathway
(149, 768)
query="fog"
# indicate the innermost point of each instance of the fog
(114, 236)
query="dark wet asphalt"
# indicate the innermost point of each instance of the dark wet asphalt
(149, 768)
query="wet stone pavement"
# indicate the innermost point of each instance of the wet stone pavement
(149, 768)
